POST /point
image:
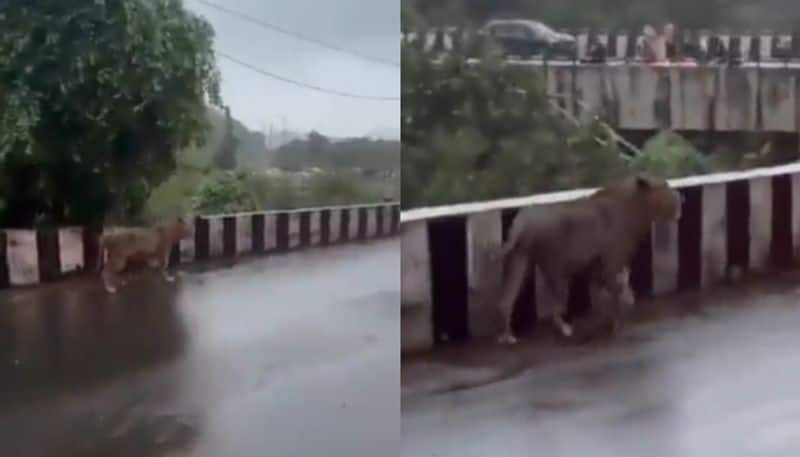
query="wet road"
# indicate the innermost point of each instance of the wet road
(293, 355)
(722, 381)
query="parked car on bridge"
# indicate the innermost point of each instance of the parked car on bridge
(526, 38)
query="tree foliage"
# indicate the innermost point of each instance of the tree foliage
(95, 98)
(669, 155)
(230, 192)
(225, 194)
(486, 130)
(320, 151)
(225, 158)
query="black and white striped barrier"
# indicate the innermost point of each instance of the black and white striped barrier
(746, 222)
(29, 257)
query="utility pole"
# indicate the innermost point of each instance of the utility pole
(270, 135)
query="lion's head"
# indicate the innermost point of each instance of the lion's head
(662, 201)
(179, 229)
(653, 197)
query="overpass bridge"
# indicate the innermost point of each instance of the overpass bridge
(758, 94)
(709, 369)
(289, 353)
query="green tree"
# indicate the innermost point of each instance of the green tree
(274, 192)
(225, 193)
(95, 98)
(226, 156)
(338, 189)
(319, 151)
(487, 130)
(670, 156)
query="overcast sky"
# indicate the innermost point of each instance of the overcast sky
(370, 27)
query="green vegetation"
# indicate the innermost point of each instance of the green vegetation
(225, 158)
(669, 155)
(487, 130)
(313, 172)
(319, 151)
(110, 113)
(226, 194)
(94, 100)
(229, 192)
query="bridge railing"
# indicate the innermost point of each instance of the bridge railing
(29, 257)
(621, 45)
(745, 221)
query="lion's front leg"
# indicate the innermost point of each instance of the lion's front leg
(617, 283)
(165, 267)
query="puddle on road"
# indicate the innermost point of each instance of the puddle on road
(131, 435)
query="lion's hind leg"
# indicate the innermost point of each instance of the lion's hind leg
(559, 286)
(518, 267)
(160, 261)
(624, 298)
(111, 272)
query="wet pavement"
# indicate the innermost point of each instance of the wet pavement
(715, 375)
(294, 355)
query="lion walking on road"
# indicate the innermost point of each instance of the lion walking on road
(123, 245)
(600, 233)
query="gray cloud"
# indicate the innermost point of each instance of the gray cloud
(368, 27)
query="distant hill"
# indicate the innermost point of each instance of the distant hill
(323, 152)
(294, 151)
(384, 133)
(301, 152)
(282, 137)
(251, 152)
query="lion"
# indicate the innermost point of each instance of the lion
(598, 233)
(609, 305)
(124, 245)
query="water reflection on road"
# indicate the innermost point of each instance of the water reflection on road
(293, 355)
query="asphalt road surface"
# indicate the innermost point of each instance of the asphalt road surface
(720, 377)
(295, 355)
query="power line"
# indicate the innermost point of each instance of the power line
(278, 29)
(302, 84)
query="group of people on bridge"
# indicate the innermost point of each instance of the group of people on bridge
(654, 46)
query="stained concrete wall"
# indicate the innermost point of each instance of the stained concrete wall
(694, 98)
(758, 95)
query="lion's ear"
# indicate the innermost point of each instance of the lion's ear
(643, 182)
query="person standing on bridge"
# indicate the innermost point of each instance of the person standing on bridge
(646, 44)
(669, 41)
(652, 45)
